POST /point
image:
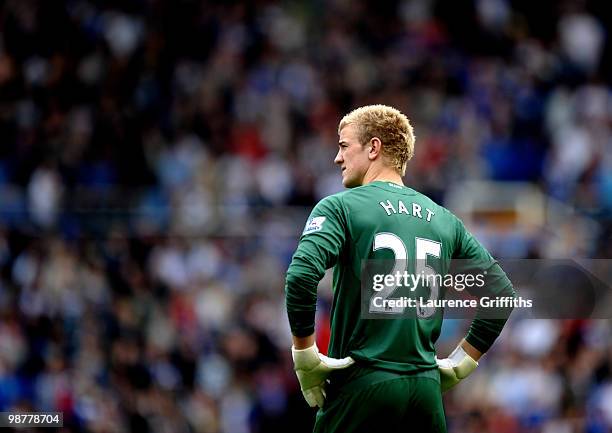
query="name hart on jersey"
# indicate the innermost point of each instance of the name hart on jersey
(416, 211)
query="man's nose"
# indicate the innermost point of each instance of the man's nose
(338, 159)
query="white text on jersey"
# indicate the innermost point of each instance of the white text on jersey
(416, 210)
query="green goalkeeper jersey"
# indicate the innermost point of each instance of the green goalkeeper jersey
(383, 220)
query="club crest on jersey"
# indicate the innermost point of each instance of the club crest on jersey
(314, 224)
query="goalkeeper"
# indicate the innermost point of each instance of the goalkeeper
(381, 375)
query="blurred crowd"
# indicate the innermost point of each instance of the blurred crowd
(159, 159)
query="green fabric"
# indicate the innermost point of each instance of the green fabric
(340, 233)
(383, 401)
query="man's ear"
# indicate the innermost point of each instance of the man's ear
(375, 148)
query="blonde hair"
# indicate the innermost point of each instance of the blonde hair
(390, 126)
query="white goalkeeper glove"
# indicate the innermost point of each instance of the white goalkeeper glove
(312, 369)
(455, 368)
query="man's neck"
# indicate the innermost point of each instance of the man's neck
(385, 175)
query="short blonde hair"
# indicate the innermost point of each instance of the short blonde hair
(390, 126)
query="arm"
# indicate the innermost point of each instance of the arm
(318, 250)
(484, 330)
(474, 353)
(475, 259)
(303, 342)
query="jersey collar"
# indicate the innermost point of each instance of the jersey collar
(393, 187)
